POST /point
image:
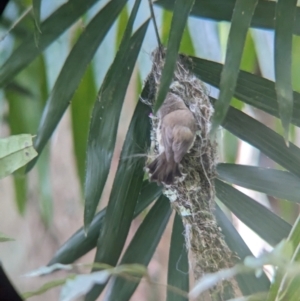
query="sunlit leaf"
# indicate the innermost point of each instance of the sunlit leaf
(81, 108)
(122, 21)
(166, 26)
(291, 289)
(186, 45)
(15, 152)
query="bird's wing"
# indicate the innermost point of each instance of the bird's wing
(167, 140)
(183, 140)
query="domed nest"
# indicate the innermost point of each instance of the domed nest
(193, 195)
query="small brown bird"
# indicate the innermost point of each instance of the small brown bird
(176, 135)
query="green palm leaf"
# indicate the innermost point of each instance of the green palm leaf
(285, 16)
(106, 114)
(73, 71)
(241, 19)
(141, 248)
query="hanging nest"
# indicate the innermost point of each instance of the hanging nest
(192, 195)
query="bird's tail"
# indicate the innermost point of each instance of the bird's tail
(163, 171)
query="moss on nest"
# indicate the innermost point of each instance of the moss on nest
(192, 196)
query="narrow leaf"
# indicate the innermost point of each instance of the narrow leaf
(45, 189)
(124, 193)
(81, 108)
(291, 285)
(187, 44)
(278, 183)
(15, 152)
(73, 71)
(36, 5)
(220, 10)
(126, 188)
(105, 117)
(285, 17)
(141, 248)
(290, 289)
(17, 124)
(20, 185)
(240, 24)
(294, 238)
(148, 193)
(26, 96)
(263, 138)
(51, 29)
(257, 217)
(79, 244)
(178, 269)
(249, 284)
(46, 287)
(17, 27)
(252, 89)
(182, 9)
(122, 21)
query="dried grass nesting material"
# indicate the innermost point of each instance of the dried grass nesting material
(192, 196)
